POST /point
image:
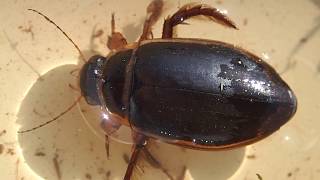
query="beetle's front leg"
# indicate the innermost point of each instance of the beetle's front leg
(191, 10)
(116, 41)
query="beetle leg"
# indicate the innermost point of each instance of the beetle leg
(140, 143)
(191, 10)
(116, 41)
(107, 146)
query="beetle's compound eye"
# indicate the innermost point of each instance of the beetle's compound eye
(89, 75)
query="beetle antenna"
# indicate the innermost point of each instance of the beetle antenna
(55, 118)
(64, 33)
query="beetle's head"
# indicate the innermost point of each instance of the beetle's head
(89, 76)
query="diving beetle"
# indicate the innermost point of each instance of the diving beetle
(196, 93)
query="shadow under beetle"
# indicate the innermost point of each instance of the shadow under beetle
(195, 93)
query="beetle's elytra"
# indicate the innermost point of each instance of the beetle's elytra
(195, 93)
(206, 93)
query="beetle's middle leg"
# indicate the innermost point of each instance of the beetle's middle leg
(116, 41)
(191, 10)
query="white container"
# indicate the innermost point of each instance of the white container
(36, 61)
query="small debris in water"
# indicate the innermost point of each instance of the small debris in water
(57, 165)
(1, 148)
(259, 176)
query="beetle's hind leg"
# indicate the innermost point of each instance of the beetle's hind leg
(116, 41)
(191, 10)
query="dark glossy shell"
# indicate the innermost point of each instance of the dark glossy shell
(200, 94)
(88, 79)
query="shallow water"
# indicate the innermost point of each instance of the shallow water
(35, 66)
